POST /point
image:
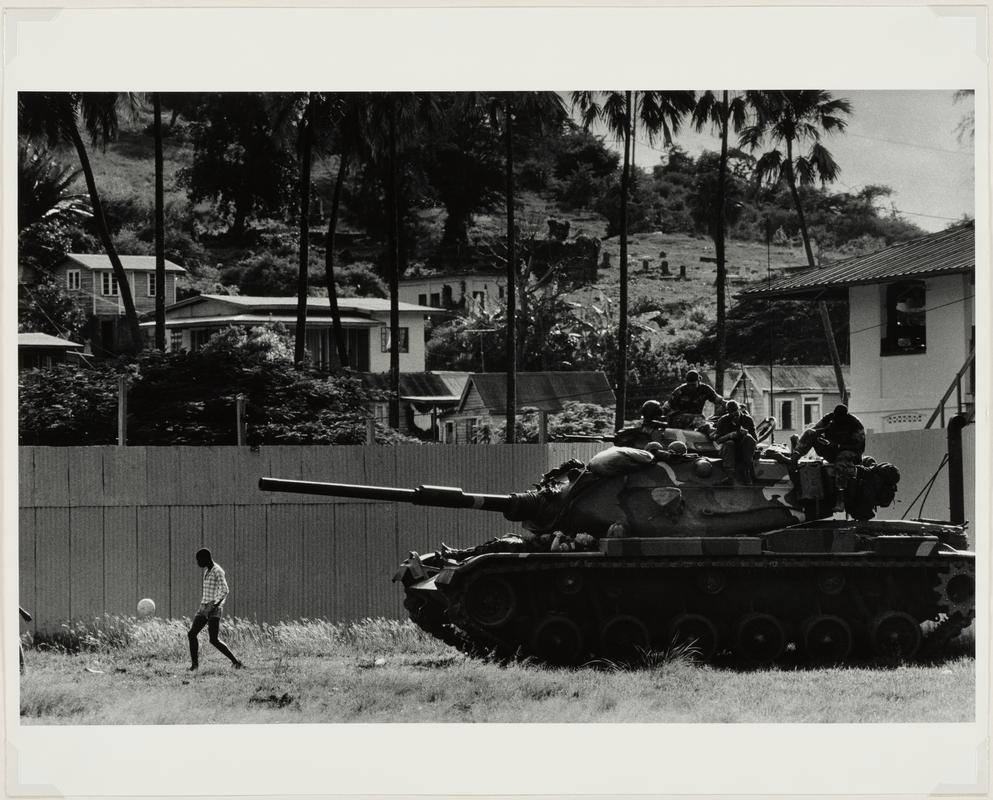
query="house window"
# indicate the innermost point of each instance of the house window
(449, 433)
(479, 298)
(435, 299)
(108, 284)
(785, 409)
(905, 324)
(199, 338)
(384, 340)
(470, 430)
(175, 341)
(422, 299)
(811, 409)
(150, 281)
(72, 279)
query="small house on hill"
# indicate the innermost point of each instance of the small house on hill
(190, 324)
(424, 397)
(483, 404)
(89, 279)
(797, 395)
(43, 350)
(911, 325)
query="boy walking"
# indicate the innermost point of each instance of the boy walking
(215, 590)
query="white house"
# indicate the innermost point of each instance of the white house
(483, 289)
(366, 321)
(911, 325)
(797, 395)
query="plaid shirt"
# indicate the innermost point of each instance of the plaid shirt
(215, 586)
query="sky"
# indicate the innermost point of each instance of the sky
(906, 140)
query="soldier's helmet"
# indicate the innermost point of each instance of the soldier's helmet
(651, 409)
(692, 376)
(840, 411)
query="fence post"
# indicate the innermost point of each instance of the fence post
(542, 427)
(122, 411)
(239, 415)
(370, 431)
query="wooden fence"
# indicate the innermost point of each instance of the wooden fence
(102, 527)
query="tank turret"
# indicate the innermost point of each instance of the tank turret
(638, 549)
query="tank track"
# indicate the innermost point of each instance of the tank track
(569, 609)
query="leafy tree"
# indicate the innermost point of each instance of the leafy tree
(795, 118)
(160, 275)
(65, 405)
(46, 307)
(52, 116)
(575, 419)
(238, 162)
(660, 113)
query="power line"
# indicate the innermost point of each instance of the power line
(911, 144)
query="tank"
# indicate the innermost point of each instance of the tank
(645, 549)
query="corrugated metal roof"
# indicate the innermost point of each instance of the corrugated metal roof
(947, 252)
(134, 263)
(792, 377)
(546, 391)
(45, 340)
(264, 319)
(317, 303)
(420, 386)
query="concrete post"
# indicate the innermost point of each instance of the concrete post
(122, 411)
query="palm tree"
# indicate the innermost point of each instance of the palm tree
(159, 226)
(395, 119)
(795, 118)
(54, 117)
(659, 113)
(721, 114)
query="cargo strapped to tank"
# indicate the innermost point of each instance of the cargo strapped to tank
(688, 546)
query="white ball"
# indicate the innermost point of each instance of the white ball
(146, 607)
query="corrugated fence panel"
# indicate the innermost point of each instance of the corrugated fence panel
(120, 559)
(185, 538)
(380, 559)
(286, 463)
(153, 561)
(86, 557)
(250, 561)
(162, 476)
(125, 476)
(219, 538)
(197, 476)
(51, 477)
(26, 560)
(349, 561)
(86, 486)
(25, 477)
(52, 561)
(318, 561)
(333, 464)
(284, 543)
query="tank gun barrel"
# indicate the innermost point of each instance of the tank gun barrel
(443, 496)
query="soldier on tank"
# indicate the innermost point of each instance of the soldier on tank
(649, 430)
(735, 433)
(838, 438)
(687, 401)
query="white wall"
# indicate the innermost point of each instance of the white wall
(908, 385)
(411, 289)
(412, 361)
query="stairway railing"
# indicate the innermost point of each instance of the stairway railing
(955, 386)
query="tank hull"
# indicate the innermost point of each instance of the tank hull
(824, 593)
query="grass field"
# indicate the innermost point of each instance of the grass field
(123, 671)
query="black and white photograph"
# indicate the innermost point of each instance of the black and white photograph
(493, 409)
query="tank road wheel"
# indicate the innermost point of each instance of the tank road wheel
(760, 638)
(490, 601)
(957, 592)
(557, 640)
(623, 636)
(827, 639)
(895, 634)
(569, 583)
(695, 632)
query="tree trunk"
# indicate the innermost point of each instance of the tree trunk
(103, 231)
(336, 328)
(719, 251)
(511, 402)
(822, 308)
(622, 328)
(160, 299)
(394, 245)
(300, 339)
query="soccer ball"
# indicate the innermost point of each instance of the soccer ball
(146, 607)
